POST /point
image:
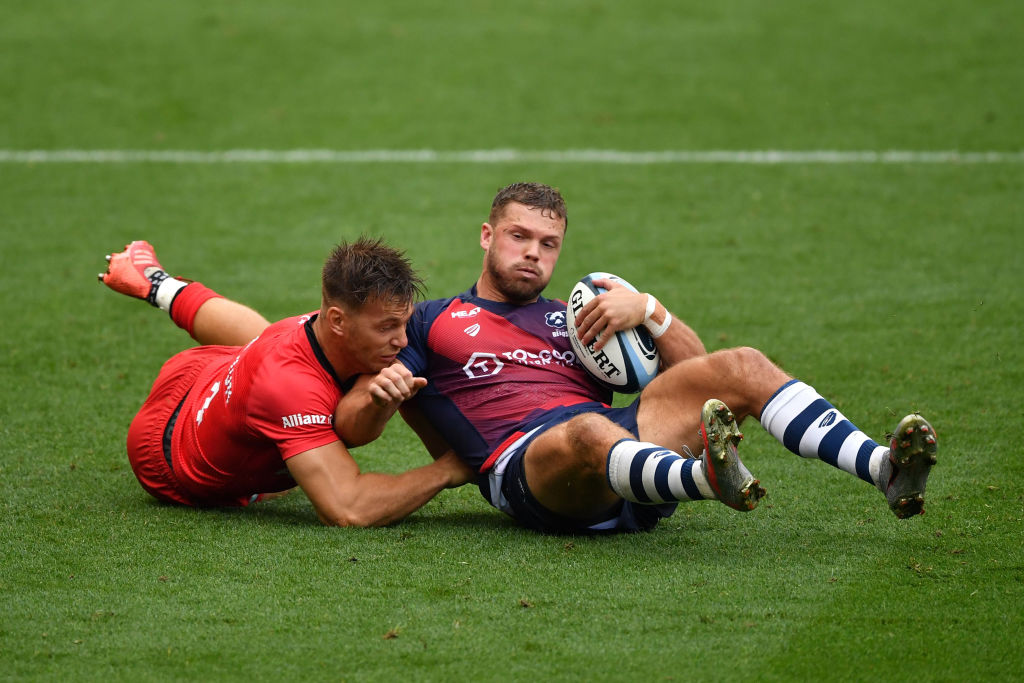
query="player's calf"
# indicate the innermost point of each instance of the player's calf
(647, 473)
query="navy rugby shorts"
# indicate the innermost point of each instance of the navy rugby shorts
(504, 485)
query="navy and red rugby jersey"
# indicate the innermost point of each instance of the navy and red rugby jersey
(492, 367)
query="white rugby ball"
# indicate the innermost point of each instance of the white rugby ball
(627, 363)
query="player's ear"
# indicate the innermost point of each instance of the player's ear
(337, 320)
(486, 235)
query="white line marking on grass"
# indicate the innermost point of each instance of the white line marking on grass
(493, 156)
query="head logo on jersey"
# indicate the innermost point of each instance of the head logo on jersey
(555, 319)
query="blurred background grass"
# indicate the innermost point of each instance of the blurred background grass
(655, 75)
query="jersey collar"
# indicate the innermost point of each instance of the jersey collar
(321, 357)
(471, 295)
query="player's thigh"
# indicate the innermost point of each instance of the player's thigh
(669, 413)
(743, 378)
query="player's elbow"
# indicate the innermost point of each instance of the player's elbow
(349, 518)
(355, 433)
(355, 439)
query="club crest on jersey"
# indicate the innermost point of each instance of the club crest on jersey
(555, 319)
(299, 419)
(482, 365)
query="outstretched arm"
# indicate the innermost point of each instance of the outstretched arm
(344, 496)
(620, 309)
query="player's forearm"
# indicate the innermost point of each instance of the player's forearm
(382, 499)
(678, 343)
(358, 420)
(431, 438)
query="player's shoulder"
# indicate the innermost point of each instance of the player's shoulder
(288, 352)
(293, 376)
(279, 339)
(550, 304)
(431, 308)
(287, 326)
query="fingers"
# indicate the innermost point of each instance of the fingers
(590, 324)
(395, 384)
(596, 336)
(617, 309)
(607, 284)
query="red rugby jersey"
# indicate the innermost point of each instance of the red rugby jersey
(248, 413)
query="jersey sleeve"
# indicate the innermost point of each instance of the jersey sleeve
(414, 355)
(295, 410)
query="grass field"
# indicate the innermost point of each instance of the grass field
(889, 287)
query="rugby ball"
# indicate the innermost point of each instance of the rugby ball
(628, 362)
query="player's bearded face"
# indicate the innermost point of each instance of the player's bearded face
(521, 250)
(509, 280)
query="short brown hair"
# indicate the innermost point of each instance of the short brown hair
(366, 269)
(536, 195)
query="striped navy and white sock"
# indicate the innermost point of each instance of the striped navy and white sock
(647, 473)
(811, 427)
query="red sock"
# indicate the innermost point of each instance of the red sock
(187, 302)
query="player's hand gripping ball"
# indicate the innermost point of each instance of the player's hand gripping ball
(628, 362)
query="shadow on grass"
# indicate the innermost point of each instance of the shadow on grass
(298, 513)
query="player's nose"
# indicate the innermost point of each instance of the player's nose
(401, 340)
(531, 250)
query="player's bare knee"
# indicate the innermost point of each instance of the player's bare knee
(590, 436)
(587, 429)
(744, 374)
(751, 360)
(739, 363)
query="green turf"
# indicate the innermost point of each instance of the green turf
(888, 287)
(731, 74)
